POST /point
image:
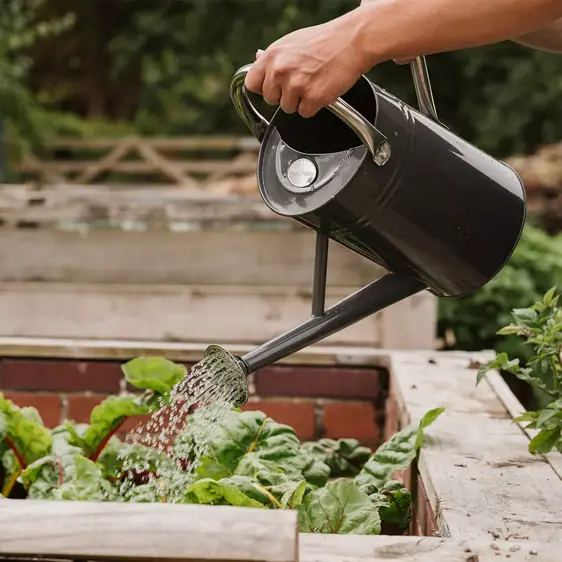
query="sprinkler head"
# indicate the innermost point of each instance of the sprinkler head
(218, 360)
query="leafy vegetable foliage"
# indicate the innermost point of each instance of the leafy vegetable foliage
(541, 327)
(337, 486)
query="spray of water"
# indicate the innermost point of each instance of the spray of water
(179, 432)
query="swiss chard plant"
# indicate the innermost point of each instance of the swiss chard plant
(337, 486)
(540, 326)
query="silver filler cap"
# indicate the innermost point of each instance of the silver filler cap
(302, 172)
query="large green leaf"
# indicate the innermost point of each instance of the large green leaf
(153, 373)
(28, 438)
(345, 457)
(252, 444)
(394, 502)
(340, 507)
(70, 477)
(223, 492)
(108, 416)
(397, 453)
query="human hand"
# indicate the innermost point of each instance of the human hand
(309, 68)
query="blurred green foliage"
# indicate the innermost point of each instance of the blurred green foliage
(165, 67)
(111, 67)
(20, 29)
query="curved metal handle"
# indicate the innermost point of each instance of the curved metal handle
(422, 85)
(373, 139)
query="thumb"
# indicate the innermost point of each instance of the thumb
(259, 53)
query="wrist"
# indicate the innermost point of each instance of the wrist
(371, 41)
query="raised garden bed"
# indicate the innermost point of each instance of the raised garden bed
(481, 495)
(173, 265)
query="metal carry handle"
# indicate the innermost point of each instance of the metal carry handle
(422, 85)
(371, 137)
(375, 141)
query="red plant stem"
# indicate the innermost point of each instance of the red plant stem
(61, 470)
(110, 434)
(19, 456)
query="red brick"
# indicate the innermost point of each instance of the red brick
(325, 382)
(351, 419)
(80, 407)
(48, 375)
(48, 405)
(427, 524)
(299, 415)
(391, 418)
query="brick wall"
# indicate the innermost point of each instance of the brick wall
(316, 401)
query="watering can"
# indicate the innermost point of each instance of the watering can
(390, 183)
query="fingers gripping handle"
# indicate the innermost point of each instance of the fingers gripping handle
(373, 139)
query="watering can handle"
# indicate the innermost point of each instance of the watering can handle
(422, 85)
(372, 138)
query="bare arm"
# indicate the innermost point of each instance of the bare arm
(407, 28)
(548, 38)
(311, 67)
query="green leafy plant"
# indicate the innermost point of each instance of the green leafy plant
(27, 445)
(541, 327)
(337, 486)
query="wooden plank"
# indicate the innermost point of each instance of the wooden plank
(150, 165)
(207, 142)
(194, 213)
(105, 164)
(477, 471)
(202, 313)
(515, 409)
(361, 548)
(188, 352)
(217, 257)
(119, 531)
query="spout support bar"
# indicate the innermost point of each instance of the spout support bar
(320, 273)
(380, 294)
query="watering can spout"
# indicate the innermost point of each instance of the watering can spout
(384, 292)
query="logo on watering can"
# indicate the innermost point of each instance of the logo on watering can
(302, 172)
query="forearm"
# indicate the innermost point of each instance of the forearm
(548, 38)
(397, 29)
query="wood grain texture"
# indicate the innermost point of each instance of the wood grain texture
(168, 157)
(515, 409)
(216, 257)
(117, 531)
(476, 468)
(203, 313)
(350, 548)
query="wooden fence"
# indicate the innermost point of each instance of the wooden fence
(198, 259)
(188, 161)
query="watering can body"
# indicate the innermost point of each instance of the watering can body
(438, 209)
(392, 184)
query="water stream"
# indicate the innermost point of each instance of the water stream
(198, 405)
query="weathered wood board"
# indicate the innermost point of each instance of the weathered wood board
(492, 499)
(216, 257)
(350, 548)
(476, 467)
(234, 314)
(190, 286)
(99, 530)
